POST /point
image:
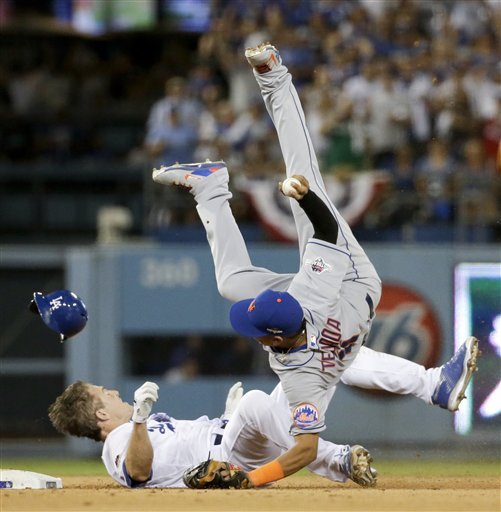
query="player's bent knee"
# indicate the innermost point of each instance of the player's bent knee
(256, 396)
(227, 289)
(255, 400)
(233, 285)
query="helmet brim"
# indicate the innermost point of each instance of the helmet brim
(43, 306)
(239, 320)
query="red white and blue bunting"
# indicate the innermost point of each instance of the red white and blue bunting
(353, 197)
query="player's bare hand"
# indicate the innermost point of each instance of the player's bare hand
(296, 186)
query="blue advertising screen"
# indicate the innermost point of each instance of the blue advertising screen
(187, 15)
(478, 313)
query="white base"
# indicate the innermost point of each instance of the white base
(18, 479)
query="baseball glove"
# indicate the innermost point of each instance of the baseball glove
(214, 474)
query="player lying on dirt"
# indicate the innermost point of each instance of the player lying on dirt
(155, 450)
(313, 323)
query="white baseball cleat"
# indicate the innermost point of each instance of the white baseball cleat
(263, 58)
(456, 374)
(357, 466)
(185, 175)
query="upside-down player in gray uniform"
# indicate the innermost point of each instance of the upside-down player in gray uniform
(314, 322)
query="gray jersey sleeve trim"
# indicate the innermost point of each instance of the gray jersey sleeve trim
(322, 243)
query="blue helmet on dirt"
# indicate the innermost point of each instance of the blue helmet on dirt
(62, 311)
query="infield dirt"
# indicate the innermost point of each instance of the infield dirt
(441, 494)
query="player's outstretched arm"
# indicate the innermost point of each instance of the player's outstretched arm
(324, 223)
(139, 459)
(303, 453)
(214, 474)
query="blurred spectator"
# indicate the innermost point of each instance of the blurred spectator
(216, 121)
(202, 76)
(211, 95)
(492, 134)
(434, 180)
(183, 363)
(171, 137)
(476, 186)
(416, 76)
(454, 118)
(176, 108)
(89, 75)
(379, 80)
(172, 141)
(388, 120)
(318, 99)
(262, 158)
(249, 126)
(224, 48)
(469, 17)
(482, 92)
(403, 171)
(400, 205)
(340, 150)
(23, 87)
(358, 91)
(167, 143)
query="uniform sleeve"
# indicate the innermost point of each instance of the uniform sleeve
(307, 393)
(130, 482)
(324, 223)
(114, 453)
(308, 411)
(318, 283)
(324, 263)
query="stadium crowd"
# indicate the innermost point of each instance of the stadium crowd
(410, 87)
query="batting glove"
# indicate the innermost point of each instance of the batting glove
(144, 397)
(232, 400)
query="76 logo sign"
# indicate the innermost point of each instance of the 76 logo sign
(406, 326)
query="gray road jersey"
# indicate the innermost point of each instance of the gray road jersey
(338, 318)
(335, 310)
